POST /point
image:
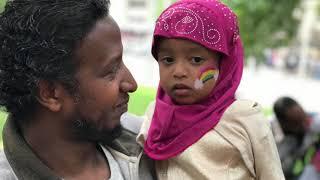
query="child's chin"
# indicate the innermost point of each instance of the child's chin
(183, 101)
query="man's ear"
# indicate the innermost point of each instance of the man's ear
(50, 95)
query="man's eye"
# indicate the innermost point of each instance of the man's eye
(167, 60)
(111, 74)
(197, 60)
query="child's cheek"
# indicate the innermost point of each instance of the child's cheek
(205, 76)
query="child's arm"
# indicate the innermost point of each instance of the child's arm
(143, 133)
(246, 128)
(267, 163)
(131, 122)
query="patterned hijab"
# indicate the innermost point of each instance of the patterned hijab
(214, 26)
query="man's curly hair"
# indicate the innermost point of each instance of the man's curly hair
(38, 39)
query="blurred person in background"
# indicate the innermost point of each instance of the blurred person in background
(300, 145)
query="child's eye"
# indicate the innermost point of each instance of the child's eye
(167, 60)
(197, 60)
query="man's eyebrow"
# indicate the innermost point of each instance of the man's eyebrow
(114, 62)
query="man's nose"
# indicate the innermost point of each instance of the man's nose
(128, 84)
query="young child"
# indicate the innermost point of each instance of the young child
(196, 129)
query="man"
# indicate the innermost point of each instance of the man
(64, 84)
(299, 149)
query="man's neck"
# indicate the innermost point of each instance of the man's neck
(65, 156)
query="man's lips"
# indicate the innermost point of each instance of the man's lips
(123, 103)
(122, 106)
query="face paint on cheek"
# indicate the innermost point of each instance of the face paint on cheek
(205, 75)
(198, 84)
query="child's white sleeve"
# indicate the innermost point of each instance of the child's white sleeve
(259, 150)
(147, 118)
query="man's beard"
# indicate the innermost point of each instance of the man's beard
(86, 131)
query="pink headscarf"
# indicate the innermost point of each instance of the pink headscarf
(213, 25)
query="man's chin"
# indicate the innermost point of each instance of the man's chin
(108, 136)
(89, 132)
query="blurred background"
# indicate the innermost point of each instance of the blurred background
(282, 53)
(281, 39)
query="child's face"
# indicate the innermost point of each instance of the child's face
(188, 71)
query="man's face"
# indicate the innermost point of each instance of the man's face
(104, 83)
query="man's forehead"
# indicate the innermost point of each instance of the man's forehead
(103, 40)
(106, 25)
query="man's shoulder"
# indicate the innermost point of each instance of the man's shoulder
(126, 142)
(6, 172)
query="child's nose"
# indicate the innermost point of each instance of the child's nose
(179, 71)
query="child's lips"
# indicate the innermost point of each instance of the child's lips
(181, 90)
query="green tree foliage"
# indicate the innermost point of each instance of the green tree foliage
(2, 3)
(265, 23)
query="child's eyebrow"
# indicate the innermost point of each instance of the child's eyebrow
(194, 48)
(164, 49)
